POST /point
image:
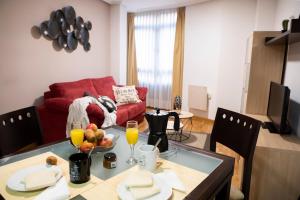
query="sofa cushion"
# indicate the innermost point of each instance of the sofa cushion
(133, 109)
(103, 86)
(95, 111)
(126, 94)
(142, 92)
(73, 90)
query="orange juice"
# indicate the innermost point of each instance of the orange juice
(77, 137)
(132, 135)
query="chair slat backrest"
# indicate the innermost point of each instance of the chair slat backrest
(239, 133)
(19, 131)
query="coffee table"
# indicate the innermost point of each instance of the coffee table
(205, 174)
(186, 118)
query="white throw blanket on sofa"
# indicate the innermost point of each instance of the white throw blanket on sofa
(78, 114)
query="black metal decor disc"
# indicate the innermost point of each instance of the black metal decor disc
(53, 29)
(60, 16)
(69, 14)
(79, 23)
(87, 46)
(62, 41)
(44, 28)
(88, 25)
(84, 36)
(65, 28)
(77, 34)
(53, 16)
(72, 41)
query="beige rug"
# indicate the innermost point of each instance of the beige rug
(198, 140)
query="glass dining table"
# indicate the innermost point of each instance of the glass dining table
(219, 168)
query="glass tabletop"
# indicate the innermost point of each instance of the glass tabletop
(176, 154)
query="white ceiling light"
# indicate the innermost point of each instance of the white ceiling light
(143, 5)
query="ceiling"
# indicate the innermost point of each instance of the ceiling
(143, 5)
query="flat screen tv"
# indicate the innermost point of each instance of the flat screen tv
(278, 106)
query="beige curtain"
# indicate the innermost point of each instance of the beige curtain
(132, 78)
(178, 54)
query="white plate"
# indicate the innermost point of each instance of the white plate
(15, 182)
(164, 194)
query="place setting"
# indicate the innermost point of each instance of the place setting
(149, 180)
(46, 178)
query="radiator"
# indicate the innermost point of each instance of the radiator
(198, 97)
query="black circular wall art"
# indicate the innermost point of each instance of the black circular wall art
(66, 29)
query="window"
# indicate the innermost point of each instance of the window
(154, 39)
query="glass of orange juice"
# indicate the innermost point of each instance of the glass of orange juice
(132, 134)
(77, 136)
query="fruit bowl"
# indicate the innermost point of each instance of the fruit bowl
(100, 148)
(106, 148)
(96, 139)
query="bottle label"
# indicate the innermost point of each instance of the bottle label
(113, 164)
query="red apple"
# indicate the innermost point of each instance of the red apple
(92, 126)
(106, 142)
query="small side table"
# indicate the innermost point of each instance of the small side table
(185, 118)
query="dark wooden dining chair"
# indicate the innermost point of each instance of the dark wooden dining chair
(19, 131)
(239, 133)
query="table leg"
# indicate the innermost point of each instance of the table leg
(224, 192)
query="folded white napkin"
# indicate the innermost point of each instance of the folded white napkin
(139, 179)
(144, 192)
(172, 180)
(59, 191)
(40, 179)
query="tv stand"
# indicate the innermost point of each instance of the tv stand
(275, 167)
(270, 126)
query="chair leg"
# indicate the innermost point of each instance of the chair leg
(224, 192)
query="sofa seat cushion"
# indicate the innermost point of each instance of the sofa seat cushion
(73, 90)
(58, 104)
(134, 109)
(122, 115)
(103, 86)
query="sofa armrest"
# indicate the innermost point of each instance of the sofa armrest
(58, 104)
(142, 92)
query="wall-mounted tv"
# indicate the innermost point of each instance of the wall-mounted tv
(278, 106)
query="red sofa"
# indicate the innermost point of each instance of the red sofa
(53, 112)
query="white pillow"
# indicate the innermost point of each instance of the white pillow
(126, 94)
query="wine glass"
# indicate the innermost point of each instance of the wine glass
(132, 134)
(77, 135)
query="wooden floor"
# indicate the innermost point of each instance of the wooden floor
(202, 125)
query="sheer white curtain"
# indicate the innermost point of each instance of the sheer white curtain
(154, 39)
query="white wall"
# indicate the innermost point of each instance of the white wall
(29, 65)
(215, 46)
(237, 22)
(201, 50)
(265, 15)
(118, 43)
